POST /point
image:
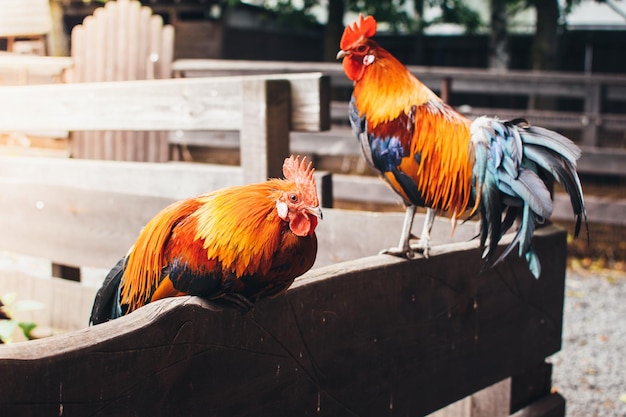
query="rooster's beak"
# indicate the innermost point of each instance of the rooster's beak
(316, 211)
(341, 54)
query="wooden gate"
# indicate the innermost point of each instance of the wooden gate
(122, 41)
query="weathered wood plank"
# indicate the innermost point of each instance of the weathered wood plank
(32, 69)
(463, 79)
(371, 189)
(81, 227)
(599, 209)
(168, 180)
(549, 406)
(96, 208)
(187, 104)
(492, 401)
(264, 134)
(339, 141)
(65, 304)
(158, 104)
(360, 338)
(73, 226)
(79, 213)
(607, 161)
(530, 385)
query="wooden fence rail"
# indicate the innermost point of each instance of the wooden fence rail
(264, 109)
(357, 335)
(375, 336)
(592, 90)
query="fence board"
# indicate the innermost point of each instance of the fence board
(187, 104)
(121, 41)
(88, 213)
(591, 89)
(55, 296)
(371, 337)
(264, 134)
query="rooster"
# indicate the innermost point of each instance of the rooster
(434, 157)
(237, 244)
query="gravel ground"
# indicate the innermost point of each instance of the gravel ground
(590, 370)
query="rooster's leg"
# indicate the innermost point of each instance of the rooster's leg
(424, 243)
(404, 248)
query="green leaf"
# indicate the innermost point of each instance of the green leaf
(27, 328)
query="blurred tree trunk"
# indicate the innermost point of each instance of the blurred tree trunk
(418, 6)
(546, 40)
(499, 52)
(545, 46)
(333, 29)
(58, 43)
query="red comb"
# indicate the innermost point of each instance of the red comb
(301, 173)
(363, 28)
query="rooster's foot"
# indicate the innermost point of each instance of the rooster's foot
(409, 252)
(238, 301)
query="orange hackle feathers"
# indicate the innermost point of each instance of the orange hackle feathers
(387, 92)
(364, 28)
(147, 256)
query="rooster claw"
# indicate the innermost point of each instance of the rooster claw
(237, 301)
(410, 252)
(399, 252)
(424, 249)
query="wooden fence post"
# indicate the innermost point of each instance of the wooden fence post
(324, 182)
(593, 104)
(264, 128)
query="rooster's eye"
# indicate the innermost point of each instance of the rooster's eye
(293, 198)
(361, 48)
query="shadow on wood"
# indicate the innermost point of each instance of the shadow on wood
(372, 337)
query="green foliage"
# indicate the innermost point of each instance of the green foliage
(8, 324)
(516, 6)
(396, 13)
(391, 12)
(456, 11)
(290, 15)
(286, 12)
(27, 327)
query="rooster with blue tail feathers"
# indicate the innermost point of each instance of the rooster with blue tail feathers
(434, 157)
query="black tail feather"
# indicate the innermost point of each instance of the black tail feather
(106, 303)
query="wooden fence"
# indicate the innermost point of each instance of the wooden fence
(121, 41)
(357, 335)
(340, 141)
(371, 337)
(592, 90)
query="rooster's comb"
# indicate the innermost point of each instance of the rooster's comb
(301, 173)
(363, 28)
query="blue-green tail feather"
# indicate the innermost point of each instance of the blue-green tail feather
(513, 162)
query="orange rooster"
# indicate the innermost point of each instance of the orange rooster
(237, 244)
(434, 157)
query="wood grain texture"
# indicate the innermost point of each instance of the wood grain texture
(593, 90)
(186, 104)
(264, 132)
(65, 305)
(88, 213)
(121, 41)
(376, 336)
(373, 337)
